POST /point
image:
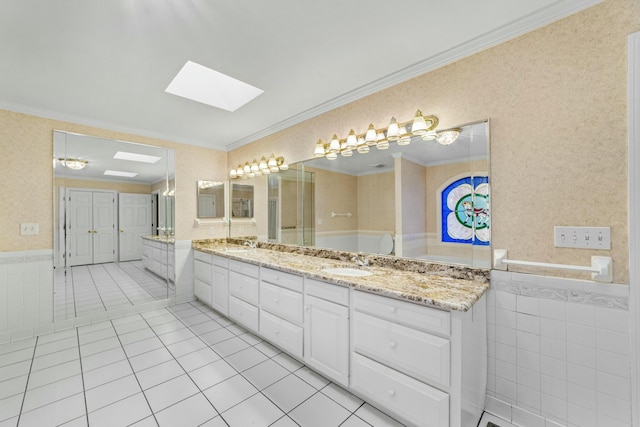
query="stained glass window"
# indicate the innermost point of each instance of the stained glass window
(466, 211)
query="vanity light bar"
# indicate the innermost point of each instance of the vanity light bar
(400, 133)
(257, 168)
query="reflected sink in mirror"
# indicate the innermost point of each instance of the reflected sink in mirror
(346, 271)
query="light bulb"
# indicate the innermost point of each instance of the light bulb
(233, 174)
(419, 126)
(393, 131)
(240, 171)
(332, 156)
(334, 146)
(370, 137)
(254, 166)
(247, 168)
(352, 140)
(318, 152)
(272, 163)
(263, 164)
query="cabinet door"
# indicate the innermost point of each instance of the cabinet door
(220, 297)
(326, 338)
(202, 291)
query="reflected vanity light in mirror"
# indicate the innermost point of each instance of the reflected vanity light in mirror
(74, 164)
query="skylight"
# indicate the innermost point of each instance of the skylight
(120, 173)
(135, 157)
(202, 84)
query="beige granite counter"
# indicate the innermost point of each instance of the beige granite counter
(163, 239)
(438, 285)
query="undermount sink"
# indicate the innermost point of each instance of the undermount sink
(236, 250)
(346, 271)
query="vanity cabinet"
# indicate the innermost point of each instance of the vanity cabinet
(159, 258)
(422, 365)
(220, 289)
(281, 310)
(244, 294)
(326, 329)
(203, 276)
(425, 364)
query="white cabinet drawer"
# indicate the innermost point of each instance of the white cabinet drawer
(283, 302)
(282, 333)
(202, 271)
(244, 268)
(202, 291)
(416, 353)
(328, 291)
(414, 315)
(419, 403)
(220, 261)
(202, 256)
(280, 278)
(244, 313)
(244, 287)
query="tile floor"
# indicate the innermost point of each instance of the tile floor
(90, 289)
(180, 366)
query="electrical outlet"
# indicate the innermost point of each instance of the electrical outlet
(582, 237)
(29, 229)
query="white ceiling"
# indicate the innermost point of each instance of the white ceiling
(107, 63)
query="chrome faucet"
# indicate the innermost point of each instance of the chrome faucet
(253, 245)
(361, 260)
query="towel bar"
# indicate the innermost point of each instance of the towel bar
(601, 267)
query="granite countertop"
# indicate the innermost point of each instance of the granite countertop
(163, 239)
(443, 288)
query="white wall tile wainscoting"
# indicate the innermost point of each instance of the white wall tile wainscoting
(558, 351)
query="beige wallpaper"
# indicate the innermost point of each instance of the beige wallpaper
(335, 192)
(413, 197)
(556, 98)
(376, 199)
(28, 178)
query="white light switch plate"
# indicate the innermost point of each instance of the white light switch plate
(582, 237)
(29, 228)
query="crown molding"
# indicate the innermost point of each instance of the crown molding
(80, 120)
(493, 38)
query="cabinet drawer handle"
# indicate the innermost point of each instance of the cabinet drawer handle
(276, 332)
(276, 300)
(392, 344)
(392, 309)
(392, 393)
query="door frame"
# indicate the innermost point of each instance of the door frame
(633, 135)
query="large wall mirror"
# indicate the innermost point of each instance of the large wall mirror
(114, 214)
(423, 201)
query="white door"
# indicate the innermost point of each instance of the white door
(103, 227)
(80, 228)
(134, 217)
(91, 227)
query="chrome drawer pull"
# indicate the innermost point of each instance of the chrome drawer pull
(392, 344)
(392, 393)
